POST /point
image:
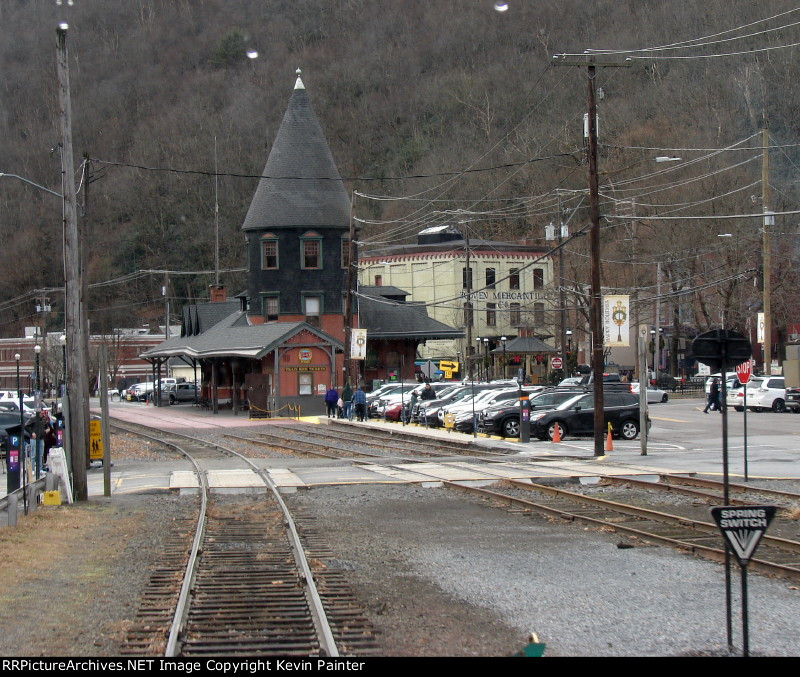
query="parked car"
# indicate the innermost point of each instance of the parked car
(139, 392)
(654, 394)
(428, 412)
(504, 419)
(731, 381)
(11, 405)
(764, 393)
(793, 400)
(180, 392)
(575, 416)
(464, 419)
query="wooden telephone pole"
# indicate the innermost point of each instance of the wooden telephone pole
(595, 314)
(77, 380)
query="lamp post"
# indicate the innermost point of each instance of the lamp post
(477, 355)
(503, 340)
(486, 357)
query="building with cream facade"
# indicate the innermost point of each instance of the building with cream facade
(490, 289)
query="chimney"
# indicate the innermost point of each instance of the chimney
(217, 293)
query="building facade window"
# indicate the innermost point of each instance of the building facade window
(311, 251)
(312, 306)
(345, 252)
(538, 278)
(490, 278)
(538, 315)
(305, 383)
(468, 320)
(271, 307)
(466, 278)
(269, 252)
(491, 314)
(514, 315)
(513, 278)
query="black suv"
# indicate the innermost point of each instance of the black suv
(504, 419)
(575, 416)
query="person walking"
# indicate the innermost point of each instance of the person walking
(713, 397)
(331, 398)
(347, 400)
(360, 403)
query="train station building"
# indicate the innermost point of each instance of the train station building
(281, 343)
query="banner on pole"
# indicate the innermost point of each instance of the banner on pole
(616, 321)
(358, 345)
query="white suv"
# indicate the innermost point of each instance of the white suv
(763, 393)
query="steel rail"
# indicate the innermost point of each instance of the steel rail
(704, 529)
(325, 635)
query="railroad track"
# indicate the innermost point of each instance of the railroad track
(246, 579)
(775, 556)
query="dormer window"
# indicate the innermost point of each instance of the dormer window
(269, 252)
(311, 251)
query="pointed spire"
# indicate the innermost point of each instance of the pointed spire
(301, 186)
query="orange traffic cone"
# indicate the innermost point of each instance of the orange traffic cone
(557, 433)
(609, 443)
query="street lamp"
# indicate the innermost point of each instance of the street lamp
(477, 355)
(486, 356)
(503, 340)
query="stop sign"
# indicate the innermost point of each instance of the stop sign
(556, 363)
(743, 372)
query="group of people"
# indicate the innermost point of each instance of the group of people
(351, 404)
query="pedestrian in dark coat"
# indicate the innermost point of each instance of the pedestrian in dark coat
(331, 398)
(713, 397)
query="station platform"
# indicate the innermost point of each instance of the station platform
(532, 461)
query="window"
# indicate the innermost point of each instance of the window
(269, 252)
(466, 278)
(538, 315)
(468, 314)
(491, 314)
(311, 254)
(379, 280)
(490, 278)
(311, 251)
(271, 308)
(345, 252)
(514, 315)
(538, 278)
(305, 383)
(312, 306)
(513, 278)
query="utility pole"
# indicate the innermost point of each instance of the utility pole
(348, 301)
(77, 372)
(595, 315)
(769, 219)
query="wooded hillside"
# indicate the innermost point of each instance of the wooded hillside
(453, 110)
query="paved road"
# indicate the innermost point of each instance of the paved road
(682, 435)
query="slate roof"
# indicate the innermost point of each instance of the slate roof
(385, 319)
(231, 338)
(526, 344)
(301, 186)
(200, 317)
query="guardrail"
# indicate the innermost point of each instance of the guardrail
(10, 502)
